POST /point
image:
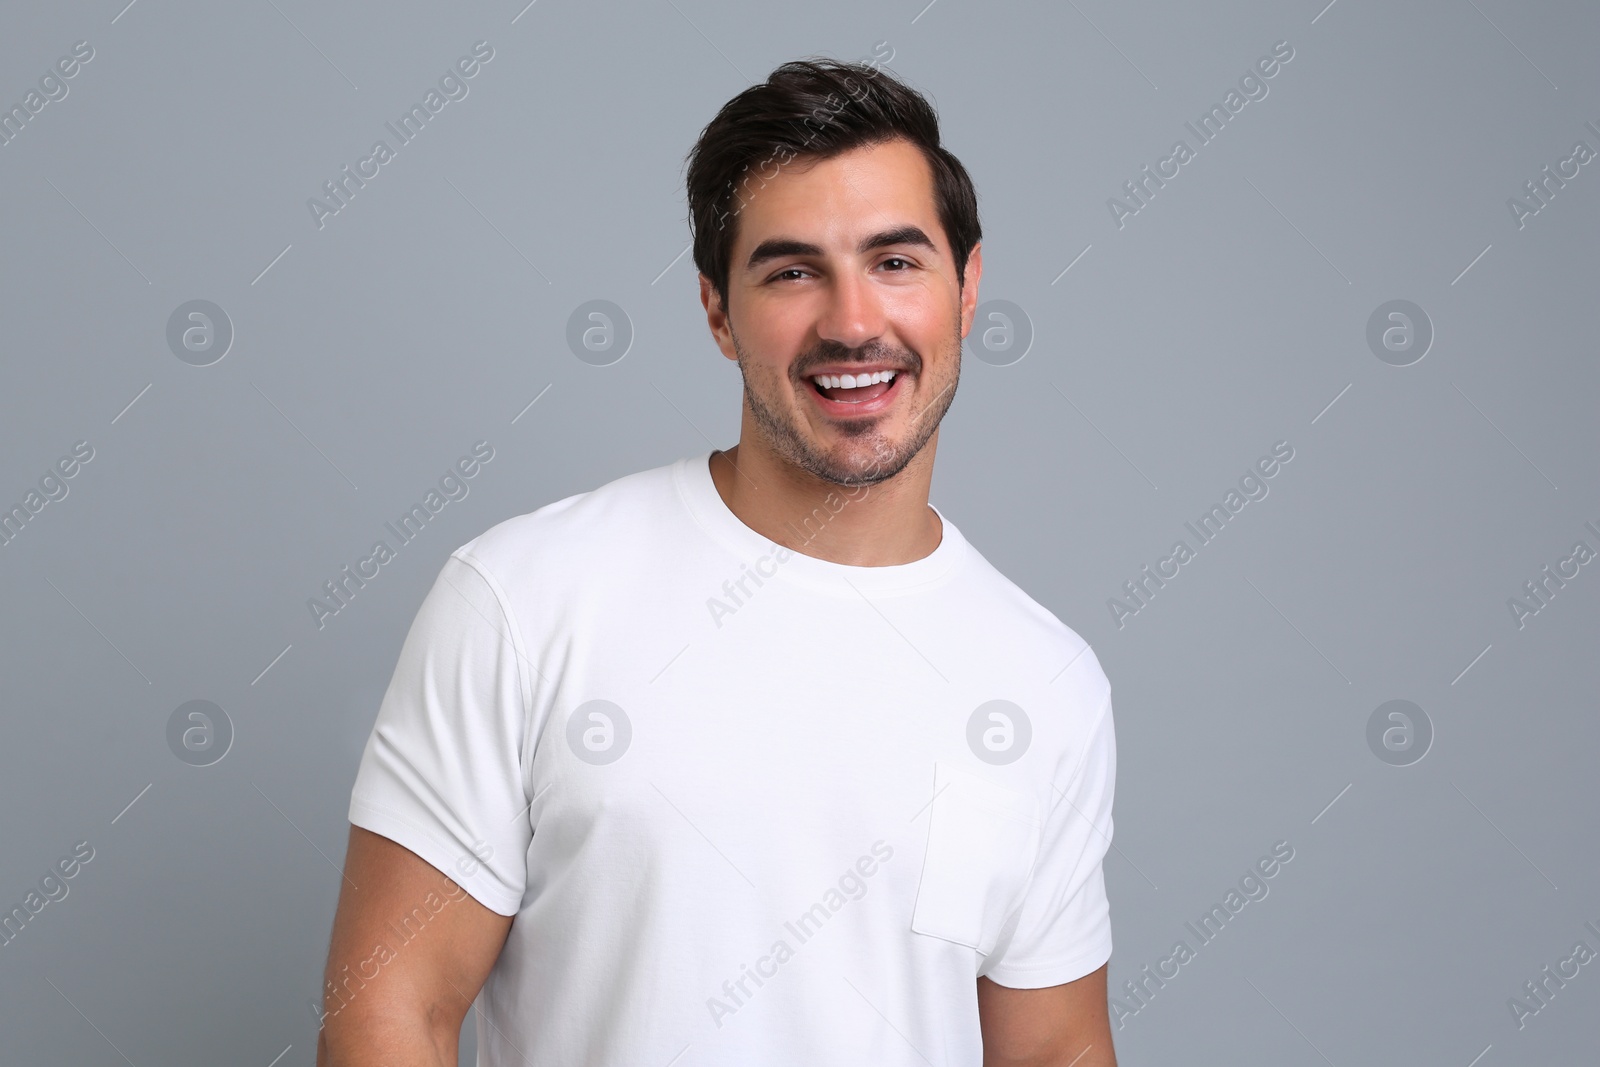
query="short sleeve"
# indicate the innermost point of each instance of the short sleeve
(1062, 931)
(442, 771)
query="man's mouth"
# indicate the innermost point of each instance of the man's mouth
(853, 388)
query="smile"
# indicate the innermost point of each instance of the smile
(855, 394)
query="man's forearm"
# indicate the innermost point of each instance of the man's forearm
(397, 1039)
(1095, 1054)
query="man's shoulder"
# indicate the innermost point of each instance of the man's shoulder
(1029, 623)
(560, 534)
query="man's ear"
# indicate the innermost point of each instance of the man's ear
(969, 287)
(717, 318)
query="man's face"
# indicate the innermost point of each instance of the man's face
(841, 267)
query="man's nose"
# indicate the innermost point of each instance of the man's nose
(853, 314)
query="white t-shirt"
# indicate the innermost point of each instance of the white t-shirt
(748, 807)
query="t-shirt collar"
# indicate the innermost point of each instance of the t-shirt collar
(706, 506)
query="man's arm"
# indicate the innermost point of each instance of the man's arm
(402, 1003)
(1057, 1026)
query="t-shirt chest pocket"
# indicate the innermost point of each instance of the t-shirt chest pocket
(982, 844)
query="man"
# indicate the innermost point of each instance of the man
(750, 758)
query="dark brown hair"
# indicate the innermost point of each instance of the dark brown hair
(814, 109)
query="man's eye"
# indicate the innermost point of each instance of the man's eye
(897, 259)
(780, 276)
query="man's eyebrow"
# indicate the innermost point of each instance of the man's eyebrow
(901, 235)
(779, 247)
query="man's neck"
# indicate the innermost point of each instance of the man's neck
(863, 526)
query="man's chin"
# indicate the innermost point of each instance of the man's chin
(851, 465)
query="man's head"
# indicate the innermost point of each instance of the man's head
(834, 235)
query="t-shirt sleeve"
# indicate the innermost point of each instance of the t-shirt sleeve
(443, 769)
(1062, 931)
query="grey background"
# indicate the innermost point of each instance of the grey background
(1230, 313)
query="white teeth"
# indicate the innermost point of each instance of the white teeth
(852, 381)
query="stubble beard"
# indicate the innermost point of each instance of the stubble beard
(784, 437)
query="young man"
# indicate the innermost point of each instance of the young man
(750, 759)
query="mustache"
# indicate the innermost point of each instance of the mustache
(830, 352)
